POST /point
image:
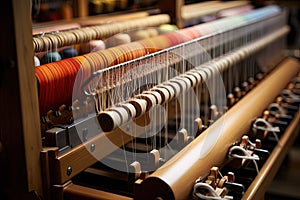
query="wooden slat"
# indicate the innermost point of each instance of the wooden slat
(77, 192)
(198, 10)
(81, 157)
(271, 166)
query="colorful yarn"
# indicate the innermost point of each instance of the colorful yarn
(50, 57)
(56, 80)
(68, 53)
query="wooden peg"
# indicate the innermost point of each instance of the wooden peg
(136, 168)
(251, 82)
(279, 100)
(237, 93)
(259, 76)
(230, 100)
(182, 138)
(214, 112)
(266, 114)
(245, 88)
(231, 177)
(258, 143)
(244, 141)
(154, 157)
(198, 126)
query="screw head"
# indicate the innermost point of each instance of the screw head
(69, 170)
(93, 147)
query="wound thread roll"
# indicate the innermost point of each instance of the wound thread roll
(109, 120)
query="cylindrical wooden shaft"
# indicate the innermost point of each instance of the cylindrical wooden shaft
(176, 178)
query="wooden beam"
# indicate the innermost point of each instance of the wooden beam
(20, 125)
(173, 9)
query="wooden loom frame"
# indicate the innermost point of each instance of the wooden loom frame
(20, 166)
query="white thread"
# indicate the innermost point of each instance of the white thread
(211, 190)
(247, 155)
(279, 110)
(269, 127)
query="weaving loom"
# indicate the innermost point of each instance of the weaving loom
(167, 115)
(158, 95)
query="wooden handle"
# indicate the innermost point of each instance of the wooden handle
(176, 178)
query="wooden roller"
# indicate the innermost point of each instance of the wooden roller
(95, 32)
(176, 178)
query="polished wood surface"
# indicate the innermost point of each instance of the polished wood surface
(175, 179)
(20, 134)
(77, 192)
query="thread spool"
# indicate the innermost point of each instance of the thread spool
(109, 120)
(170, 89)
(140, 106)
(156, 95)
(175, 86)
(118, 39)
(152, 32)
(125, 116)
(130, 109)
(167, 28)
(181, 84)
(151, 100)
(191, 78)
(163, 93)
(36, 61)
(68, 53)
(50, 57)
(196, 75)
(139, 35)
(92, 46)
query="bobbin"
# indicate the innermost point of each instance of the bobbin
(163, 92)
(140, 106)
(156, 94)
